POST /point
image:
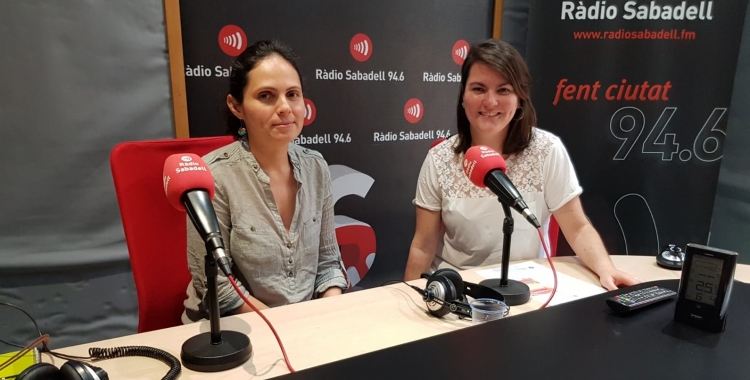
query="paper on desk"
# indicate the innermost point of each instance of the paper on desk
(540, 281)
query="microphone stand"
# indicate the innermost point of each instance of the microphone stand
(514, 292)
(215, 350)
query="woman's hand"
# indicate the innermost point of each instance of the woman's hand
(245, 308)
(334, 291)
(587, 245)
(613, 279)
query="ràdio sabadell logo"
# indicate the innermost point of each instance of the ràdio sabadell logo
(460, 51)
(413, 110)
(361, 47)
(310, 112)
(232, 40)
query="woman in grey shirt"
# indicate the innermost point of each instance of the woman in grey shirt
(273, 198)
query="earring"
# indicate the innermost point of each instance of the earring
(242, 131)
(520, 108)
(463, 105)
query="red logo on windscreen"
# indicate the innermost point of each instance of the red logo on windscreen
(232, 40)
(360, 47)
(413, 110)
(460, 51)
(310, 112)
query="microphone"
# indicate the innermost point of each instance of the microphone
(486, 168)
(190, 187)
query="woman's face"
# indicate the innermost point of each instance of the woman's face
(273, 108)
(490, 102)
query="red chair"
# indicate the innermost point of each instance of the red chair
(552, 233)
(155, 232)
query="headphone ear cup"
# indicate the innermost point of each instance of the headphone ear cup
(41, 371)
(75, 370)
(455, 278)
(441, 286)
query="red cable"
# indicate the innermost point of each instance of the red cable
(255, 309)
(549, 260)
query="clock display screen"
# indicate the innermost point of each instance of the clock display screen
(703, 279)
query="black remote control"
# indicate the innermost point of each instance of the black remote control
(623, 303)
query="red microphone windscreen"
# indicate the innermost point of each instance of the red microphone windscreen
(438, 141)
(479, 160)
(184, 172)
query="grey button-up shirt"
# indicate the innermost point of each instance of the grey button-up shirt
(275, 266)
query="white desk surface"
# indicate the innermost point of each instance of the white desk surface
(330, 329)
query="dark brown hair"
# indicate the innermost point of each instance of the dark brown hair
(504, 58)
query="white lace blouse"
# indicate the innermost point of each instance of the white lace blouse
(473, 217)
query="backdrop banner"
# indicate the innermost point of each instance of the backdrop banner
(639, 91)
(380, 84)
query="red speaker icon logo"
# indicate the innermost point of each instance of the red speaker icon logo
(232, 40)
(460, 51)
(360, 47)
(413, 110)
(310, 112)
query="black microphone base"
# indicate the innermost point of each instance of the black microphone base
(515, 292)
(198, 354)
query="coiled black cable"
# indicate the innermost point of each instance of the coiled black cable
(117, 352)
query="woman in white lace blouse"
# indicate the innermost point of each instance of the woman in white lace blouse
(459, 225)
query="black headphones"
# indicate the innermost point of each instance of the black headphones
(71, 370)
(446, 292)
(75, 370)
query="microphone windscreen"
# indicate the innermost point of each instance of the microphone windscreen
(184, 172)
(479, 160)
